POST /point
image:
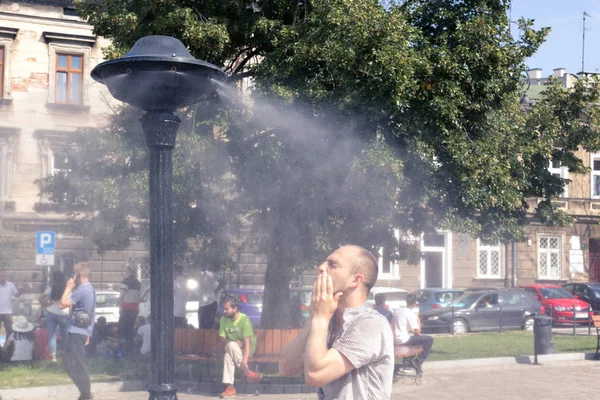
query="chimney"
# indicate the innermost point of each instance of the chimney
(559, 72)
(535, 73)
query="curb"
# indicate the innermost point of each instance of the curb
(481, 362)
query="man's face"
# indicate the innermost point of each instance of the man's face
(339, 266)
(228, 311)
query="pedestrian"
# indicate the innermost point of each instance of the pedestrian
(209, 287)
(407, 331)
(7, 290)
(41, 349)
(240, 343)
(57, 319)
(129, 309)
(179, 298)
(23, 340)
(346, 349)
(381, 307)
(80, 295)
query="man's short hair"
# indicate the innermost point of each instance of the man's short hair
(379, 299)
(411, 300)
(366, 264)
(234, 301)
(82, 268)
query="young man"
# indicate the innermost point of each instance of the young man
(7, 289)
(381, 308)
(407, 329)
(236, 328)
(346, 349)
(128, 310)
(81, 296)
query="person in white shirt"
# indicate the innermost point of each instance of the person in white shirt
(209, 287)
(57, 319)
(23, 339)
(179, 298)
(407, 329)
(143, 335)
(7, 290)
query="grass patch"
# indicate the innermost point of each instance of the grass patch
(507, 344)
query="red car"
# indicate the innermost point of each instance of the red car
(559, 303)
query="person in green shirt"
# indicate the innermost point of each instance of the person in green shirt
(236, 328)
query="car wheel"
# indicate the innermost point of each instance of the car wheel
(528, 324)
(460, 326)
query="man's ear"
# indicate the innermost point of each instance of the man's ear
(357, 279)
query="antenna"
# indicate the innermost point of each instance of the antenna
(583, 45)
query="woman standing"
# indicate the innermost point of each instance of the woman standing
(56, 318)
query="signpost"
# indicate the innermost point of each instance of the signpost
(44, 244)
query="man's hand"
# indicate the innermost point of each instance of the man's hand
(244, 367)
(324, 302)
(70, 284)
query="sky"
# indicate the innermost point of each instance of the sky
(563, 47)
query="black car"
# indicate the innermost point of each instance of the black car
(484, 311)
(586, 291)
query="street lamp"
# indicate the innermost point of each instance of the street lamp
(160, 76)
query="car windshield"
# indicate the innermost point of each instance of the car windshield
(555, 293)
(107, 300)
(445, 297)
(466, 300)
(594, 291)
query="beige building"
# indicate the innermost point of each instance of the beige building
(46, 94)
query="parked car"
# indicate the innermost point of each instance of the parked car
(191, 307)
(251, 303)
(559, 303)
(394, 297)
(107, 305)
(484, 310)
(435, 298)
(588, 292)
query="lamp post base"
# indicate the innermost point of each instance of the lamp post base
(162, 392)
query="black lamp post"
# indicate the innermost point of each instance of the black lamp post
(159, 75)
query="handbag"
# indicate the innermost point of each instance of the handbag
(82, 319)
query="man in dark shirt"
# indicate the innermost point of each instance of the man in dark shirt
(130, 306)
(381, 308)
(81, 296)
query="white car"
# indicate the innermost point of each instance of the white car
(191, 307)
(107, 305)
(394, 297)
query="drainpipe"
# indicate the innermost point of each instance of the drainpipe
(514, 263)
(506, 266)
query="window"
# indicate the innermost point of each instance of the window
(489, 262)
(388, 268)
(69, 78)
(7, 35)
(549, 257)
(595, 166)
(61, 163)
(8, 142)
(559, 171)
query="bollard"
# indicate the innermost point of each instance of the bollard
(500, 308)
(589, 312)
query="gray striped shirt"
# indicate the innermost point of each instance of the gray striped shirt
(366, 340)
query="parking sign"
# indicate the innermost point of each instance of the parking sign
(45, 244)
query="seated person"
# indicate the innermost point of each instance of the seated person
(489, 301)
(143, 337)
(381, 307)
(41, 350)
(22, 341)
(407, 329)
(236, 328)
(98, 335)
(110, 347)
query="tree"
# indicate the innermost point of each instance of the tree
(431, 89)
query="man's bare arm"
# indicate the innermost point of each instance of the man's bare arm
(291, 362)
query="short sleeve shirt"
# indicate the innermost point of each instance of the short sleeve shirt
(404, 321)
(238, 330)
(54, 307)
(366, 341)
(144, 331)
(83, 299)
(6, 291)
